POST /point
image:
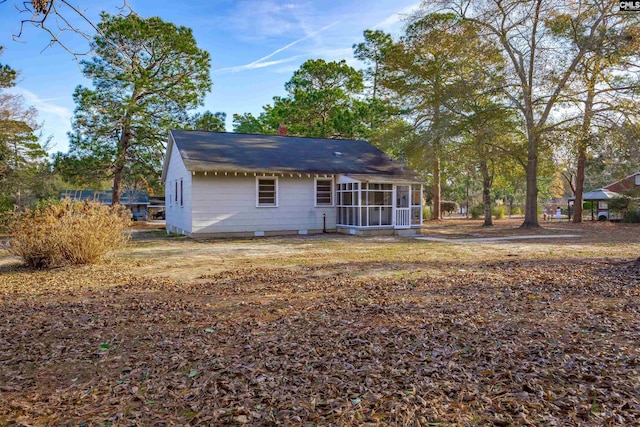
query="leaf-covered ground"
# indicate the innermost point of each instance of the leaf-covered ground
(327, 331)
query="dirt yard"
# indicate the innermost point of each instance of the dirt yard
(331, 330)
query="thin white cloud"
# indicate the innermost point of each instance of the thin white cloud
(260, 63)
(397, 17)
(44, 105)
(255, 65)
(55, 118)
(293, 43)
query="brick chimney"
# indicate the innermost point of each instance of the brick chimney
(282, 130)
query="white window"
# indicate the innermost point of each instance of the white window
(267, 192)
(324, 192)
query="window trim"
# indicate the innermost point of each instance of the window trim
(351, 210)
(315, 193)
(277, 190)
(181, 193)
(419, 191)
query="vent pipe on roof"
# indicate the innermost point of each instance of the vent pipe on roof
(282, 130)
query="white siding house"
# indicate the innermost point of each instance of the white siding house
(177, 192)
(227, 184)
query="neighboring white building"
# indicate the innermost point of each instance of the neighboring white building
(231, 184)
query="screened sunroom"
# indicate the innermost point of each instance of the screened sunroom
(378, 203)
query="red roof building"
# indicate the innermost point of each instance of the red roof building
(632, 182)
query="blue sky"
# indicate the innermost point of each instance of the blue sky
(255, 46)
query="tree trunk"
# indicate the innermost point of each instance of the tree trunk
(486, 193)
(570, 180)
(466, 212)
(531, 204)
(583, 143)
(117, 178)
(579, 190)
(436, 214)
(121, 160)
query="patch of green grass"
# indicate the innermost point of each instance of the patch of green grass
(159, 234)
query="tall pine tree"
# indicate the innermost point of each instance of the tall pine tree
(146, 75)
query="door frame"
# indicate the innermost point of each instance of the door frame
(404, 211)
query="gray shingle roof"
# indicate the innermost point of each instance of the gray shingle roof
(237, 152)
(128, 197)
(598, 194)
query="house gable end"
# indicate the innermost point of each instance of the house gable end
(172, 150)
(630, 182)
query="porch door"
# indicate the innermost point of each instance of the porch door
(402, 207)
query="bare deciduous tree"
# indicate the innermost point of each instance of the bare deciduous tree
(540, 67)
(58, 17)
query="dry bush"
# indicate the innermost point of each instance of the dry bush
(6, 218)
(68, 232)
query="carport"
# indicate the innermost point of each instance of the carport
(602, 197)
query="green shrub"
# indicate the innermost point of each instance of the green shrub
(477, 211)
(631, 216)
(426, 212)
(619, 204)
(632, 213)
(498, 212)
(6, 203)
(66, 232)
(516, 210)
